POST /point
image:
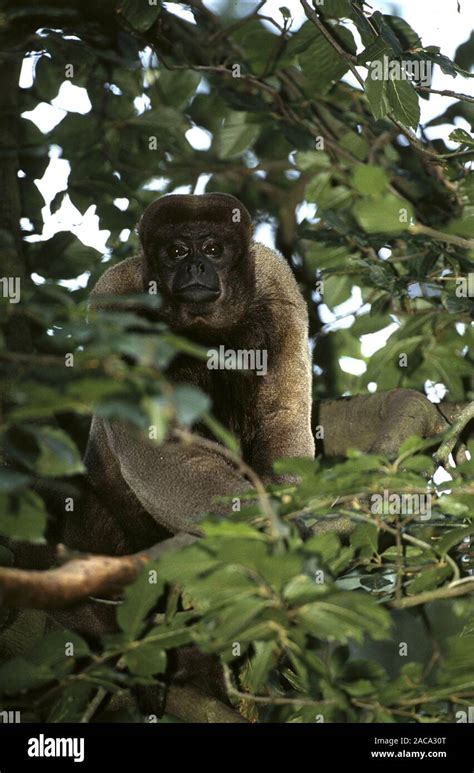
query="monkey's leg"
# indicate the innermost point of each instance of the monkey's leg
(377, 423)
(175, 483)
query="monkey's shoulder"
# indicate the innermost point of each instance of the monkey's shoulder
(274, 272)
(124, 278)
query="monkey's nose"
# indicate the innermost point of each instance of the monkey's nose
(194, 269)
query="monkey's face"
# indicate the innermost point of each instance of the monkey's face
(199, 259)
(195, 275)
(190, 264)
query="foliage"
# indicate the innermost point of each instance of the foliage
(314, 629)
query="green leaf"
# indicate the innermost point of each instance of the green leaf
(183, 566)
(24, 518)
(167, 637)
(462, 136)
(140, 15)
(72, 703)
(260, 666)
(320, 63)
(235, 136)
(190, 403)
(336, 289)
(10, 480)
(365, 535)
(464, 225)
(18, 674)
(452, 538)
(451, 505)
(376, 91)
(146, 659)
(428, 579)
(343, 617)
(179, 86)
(326, 546)
(374, 52)
(158, 416)
(406, 35)
(388, 215)
(404, 102)
(140, 597)
(336, 9)
(369, 179)
(355, 144)
(52, 657)
(58, 454)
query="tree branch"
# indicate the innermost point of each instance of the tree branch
(449, 592)
(452, 436)
(79, 577)
(424, 230)
(446, 93)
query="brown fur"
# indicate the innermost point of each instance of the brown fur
(261, 308)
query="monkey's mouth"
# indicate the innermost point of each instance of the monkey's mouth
(198, 293)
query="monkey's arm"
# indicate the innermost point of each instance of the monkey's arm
(284, 407)
(283, 400)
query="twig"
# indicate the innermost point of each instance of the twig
(93, 705)
(446, 592)
(446, 447)
(270, 700)
(446, 93)
(418, 229)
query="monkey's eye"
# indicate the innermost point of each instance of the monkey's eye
(212, 248)
(178, 250)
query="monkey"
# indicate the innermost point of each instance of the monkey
(218, 288)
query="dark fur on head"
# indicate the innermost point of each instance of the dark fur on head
(182, 216)
(175, 209)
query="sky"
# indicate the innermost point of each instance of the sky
(437, 21)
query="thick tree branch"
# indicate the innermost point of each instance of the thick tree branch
(79, 577)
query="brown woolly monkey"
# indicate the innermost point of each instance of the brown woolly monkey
(219, 289)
